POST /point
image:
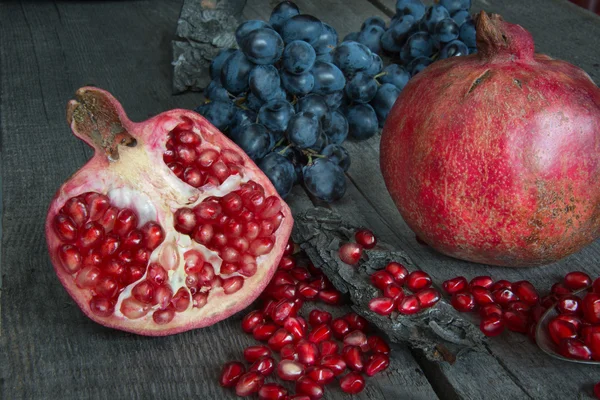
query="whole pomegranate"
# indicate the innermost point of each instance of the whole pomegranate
(169, 227)
(495, 157)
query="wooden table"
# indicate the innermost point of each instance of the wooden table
(50, 350)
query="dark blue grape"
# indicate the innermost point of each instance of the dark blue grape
(217, 63)
(297, 158)
(461, 17)
(416, 8)
(280, 94)
(453, 49)
(384, 100)
(419, 44)
(303, 130)
(298, 57)
(280, 172)
(327, 40)
(361, 88)
(235, 72)
(314, 104)
(328, 78)
(338, 155)
(373, 21)
(351, 37)
(263, 46)
(371, 37)
(327, 57)
(246, 27)
(275, 116)
(376, 66)
(302, 27)
(219, 113)
(445, 31)
(253, 102)
(264, 81)
(402, 28)
(396, 75)
(242, 118)
(389, 44)
(418, 64)
(216, 91)
(467, 34)
(334, 100)
(472, 50)
(433, 15)
(298, 85)
(362, 121)
(337, 128)
(456, 5)
(325, 180)
(352, 57)
(254, 139)
(281, 13)
(321, 142)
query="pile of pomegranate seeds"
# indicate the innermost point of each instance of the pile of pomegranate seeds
(308, 352)
(350, 253)
(391, 281)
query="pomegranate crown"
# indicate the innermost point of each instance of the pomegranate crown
(496, 37)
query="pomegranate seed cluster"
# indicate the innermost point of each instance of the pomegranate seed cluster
(351, 252)
(308, 353)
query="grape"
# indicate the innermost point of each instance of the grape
(303, 130)
(264, 81)
(253, 102)
(298, 57)
(327, 40)
(384, 100)
(376, 66)
(433, 15)
(455, 5)
(327, 57)
(296, 157)
(235, 72)
(262, 46)
(328, 78)
(219, 113)
(445, 31)
(338, 155)
(217, 63)
(362, 88)
(453, 49)
(467, 33)
(242, 118)
(216, 91)
(351, 37)
(362, 121)
(460, 17)
(337, 128)
(324, 180)
(314, 104)
(416, 8)
(402, 29)
(418, 45)
(298, 85)
(321, 142)
(281, 13)
(396, 75)
(254, 139)
(275, 116)
(302, 27)
(246, 27)
(388, 43)
(352, 57)
(373, 21)
(418, 64)
(371, 37)
(280, 172)
(334, 100)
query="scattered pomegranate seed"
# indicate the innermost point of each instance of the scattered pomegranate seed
(428, 297)
(290, 370)
(288, 352)
(308, 353)
(331, 296)
(264, 366)
(417, 280)
(353, 357)
(504, 296)
(569, 305)
(307, 386)
(597, 390)
(483, 281)
(320, 333)
(463, 301)
(394, 291)
(253, 353)
(409, 305)
(382, 279)
(574, 348)
(280, 338)
(249, 383)
(516, 321)
(376, 363)
(455, 285)
(382, 305)
(350, 253)
(526, 292)
(482, 296)
(492, 325)
(340, 327)
(559, 289)
(272, 391)
(378, 345)
(398, 271)
(356, 322)
(231, 373)
(577, 280)
(328, 347)
(560, 329)
(352, 383)
(596, 286)
(591, 308)
(365, 238)
(501, 284)
(294, 326)
(264, 331)
(334, 362)
(355, 338)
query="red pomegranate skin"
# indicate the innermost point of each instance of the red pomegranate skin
(495, 157)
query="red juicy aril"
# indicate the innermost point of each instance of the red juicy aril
(493, 157)
(169, 227)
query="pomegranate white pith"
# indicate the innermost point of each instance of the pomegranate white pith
(138, 178)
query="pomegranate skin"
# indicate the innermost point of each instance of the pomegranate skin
(495, 157)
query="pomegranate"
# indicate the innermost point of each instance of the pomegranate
(169, 227)
(494, 157)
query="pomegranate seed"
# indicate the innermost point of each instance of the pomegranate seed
(489, 310)
(526, 292)
(287, 263)
(378, 345)
(482, 296)
(569, 305)
(418, 280)
(382, 279)
(102, 307)
(492, 325)
(153, 234)
(320, 333)
(88, 277)
(398, 271)
(376, 363)
(331, 296)
(328, 347)
(597, 390)
(317, 317)
(264, 366)
(574, 348)
(261, 246)
(302, 275)
(504, 296)
(519, 306)
(97, 204)
(355, 338)
(321, 375)
(592, 340)
(455, 285)
(282, 310)
(516, 321)
(181, 300)
(577, 280)
(308, 353)
(290, 370)
(307, 386)
(65, 228)
(264, 331)
(559, 289)
(280, 338)
(356, 322)
(382, 305)
(340, 327)
(352, 357)
(394, 291)
(249, 383)
(282, 278)
(163, 317)
(571, 319)
(231, 373)
(548, 301)
(334, 362)
(253, 353)
(350, 253)
(483, 281)
(560, 329)
(272, 391)
(365, 238)
(409, 305)
(185, 220)
(76, 209)
(463, 301)
(293, 326)
(125, 222)
(352, 383)
(288, 352)
(591, 308)
(143, 291)
(306, 291)
(91, 235)
(70, 258)
(428, 297)
(501, 284)
(596, 286)
(233, 284)
(107, 287)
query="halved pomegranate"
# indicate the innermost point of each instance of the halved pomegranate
(169, 227)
